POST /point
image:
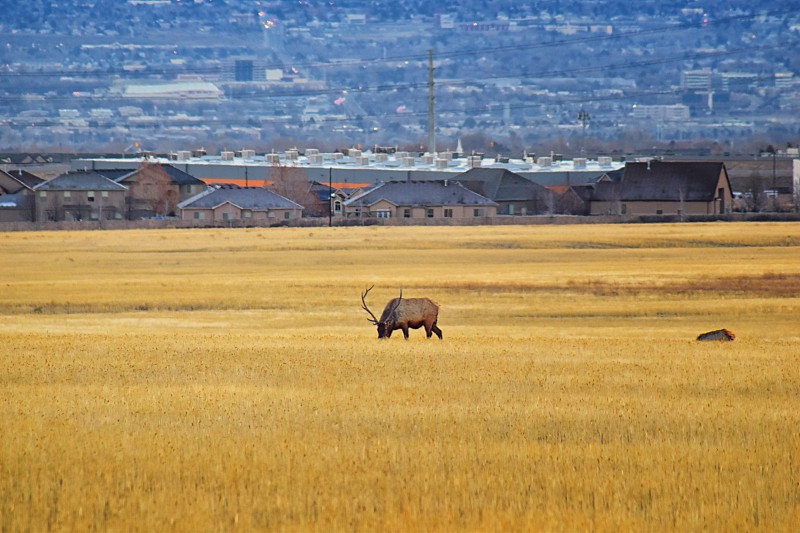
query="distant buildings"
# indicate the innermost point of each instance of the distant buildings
(166, 91)
(281, 188)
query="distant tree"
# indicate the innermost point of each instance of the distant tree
(291, 182)
(154, 191)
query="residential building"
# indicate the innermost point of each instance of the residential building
(665, 188)
(226, 203)
(80, 195)
(155, 189)
(17, 198)
(514, 194)
(434, 199)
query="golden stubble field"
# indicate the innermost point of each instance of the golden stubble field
(218, 380)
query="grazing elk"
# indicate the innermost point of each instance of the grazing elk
(404, 313)
(717, 335)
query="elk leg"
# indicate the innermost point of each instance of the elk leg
(436, 330)
(405, 331)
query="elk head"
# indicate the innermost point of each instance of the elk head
(382, 325)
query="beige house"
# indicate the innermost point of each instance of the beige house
(226, 203)
(80, 195)
(437, 199)
(665, 188)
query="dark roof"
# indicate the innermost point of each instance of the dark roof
(664, 181)
(322, 191)
(584, 192)
(501, 185)
(255, 198)
(566, 177)
(435, 192)
(80, 180)
(115, 174)
(23, 177)
(177, 176)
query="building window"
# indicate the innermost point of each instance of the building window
(659, 211)
(42, 194)
(448, 213)
(104, 194)
(67, 194)
(429, 213)
(406, 213)
(623, 209)
(226, 216)
(90, 196)
(199, 215)
(478, 212)
(287, 215)
(337, 206)
(383, 213)
(247, 213)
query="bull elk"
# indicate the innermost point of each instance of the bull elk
(717, 335)
(404, 313)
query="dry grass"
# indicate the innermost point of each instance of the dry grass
(227, 379)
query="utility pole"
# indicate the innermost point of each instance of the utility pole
(584, 117)
(431, 122)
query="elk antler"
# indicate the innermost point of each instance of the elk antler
(365, 308)
(396, 305)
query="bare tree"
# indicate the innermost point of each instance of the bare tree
(154, 191)
(291, 182)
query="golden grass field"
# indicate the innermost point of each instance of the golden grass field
(220, 380)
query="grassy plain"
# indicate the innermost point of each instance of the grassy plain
(215, 380)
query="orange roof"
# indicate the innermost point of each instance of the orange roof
(263, 182)
(346, 185)
(558, 189)
(239, 182)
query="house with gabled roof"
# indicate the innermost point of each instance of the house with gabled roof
(514, 194)
(434, 199)
(17, 198)
(80, 195)
(327, 199)
(665, 188)
(231, 202)
(155, 189)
